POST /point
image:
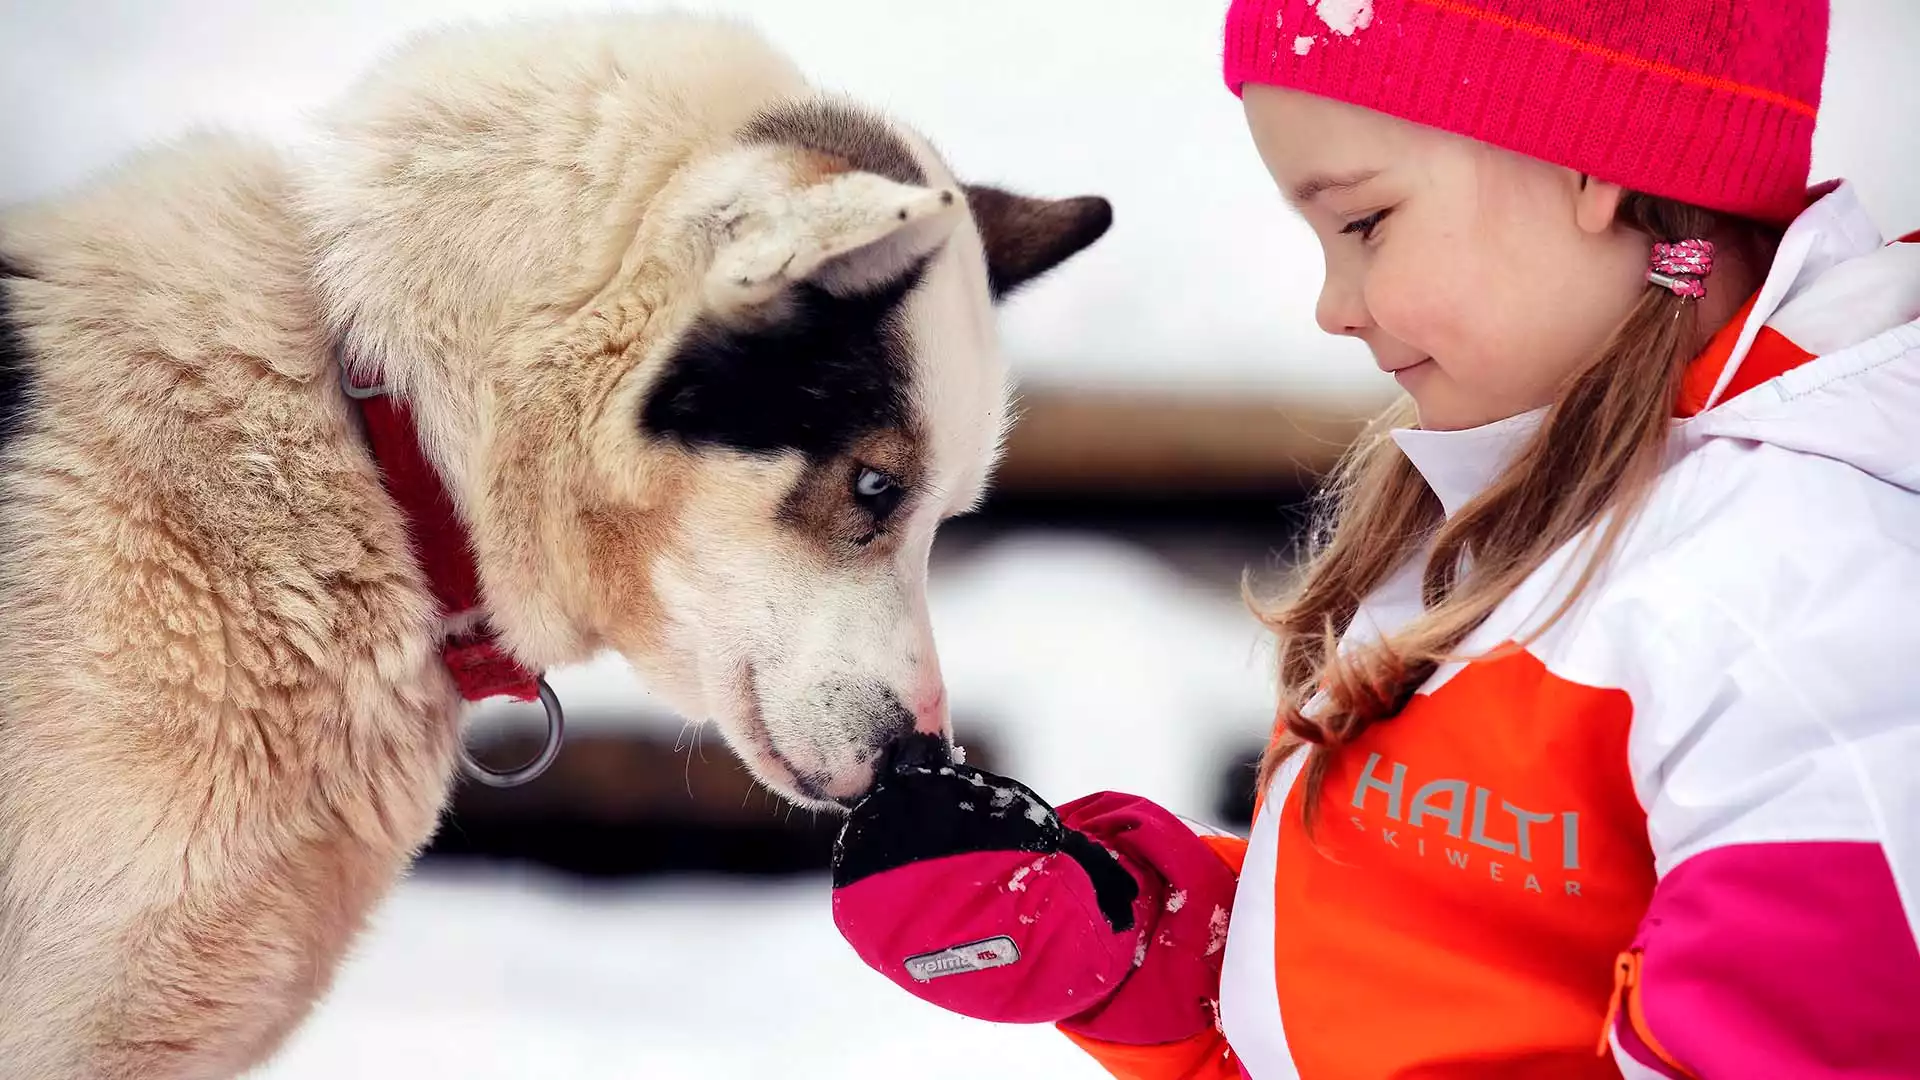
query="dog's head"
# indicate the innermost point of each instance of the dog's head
(708, 406)
(836, 395)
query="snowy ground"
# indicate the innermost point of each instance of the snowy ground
(507, 977)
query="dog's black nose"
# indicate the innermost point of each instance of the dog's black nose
(916, 750)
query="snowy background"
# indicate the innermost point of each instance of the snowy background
(1203, 281)
(1100, 664)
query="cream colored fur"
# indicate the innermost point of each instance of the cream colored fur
(224, 730)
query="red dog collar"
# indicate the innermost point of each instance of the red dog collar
(481, 667)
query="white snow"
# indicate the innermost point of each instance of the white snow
(491, 976)
(1344, 17)
(1176, 900)
(1303, 45)
(1217, 930)
(1018, 883)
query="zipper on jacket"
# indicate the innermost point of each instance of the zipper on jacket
(1626, 999)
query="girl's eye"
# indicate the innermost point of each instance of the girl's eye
(1366, 225)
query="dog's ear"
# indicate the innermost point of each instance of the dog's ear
(849, 233)
(1025, 237)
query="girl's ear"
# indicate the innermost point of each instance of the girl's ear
(1597, 204)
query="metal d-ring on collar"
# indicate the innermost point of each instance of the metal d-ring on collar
(549, 701)
(556, 733)
(353, 390)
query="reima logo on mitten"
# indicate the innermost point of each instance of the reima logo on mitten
(980, 955)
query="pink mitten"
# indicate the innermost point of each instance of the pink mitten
(965, 888)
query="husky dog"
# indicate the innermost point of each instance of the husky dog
(702, 358)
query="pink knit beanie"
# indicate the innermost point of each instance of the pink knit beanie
(1709, 102)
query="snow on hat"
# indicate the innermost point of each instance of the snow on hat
(1708, 102)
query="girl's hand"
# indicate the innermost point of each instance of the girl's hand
(968, 890)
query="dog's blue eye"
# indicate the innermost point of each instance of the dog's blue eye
(877, 493)
(872, 483)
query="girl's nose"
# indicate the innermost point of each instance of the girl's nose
(1342, 309)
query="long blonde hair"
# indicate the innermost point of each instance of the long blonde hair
(1597, 453)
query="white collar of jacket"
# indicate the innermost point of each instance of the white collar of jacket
(1838, 291)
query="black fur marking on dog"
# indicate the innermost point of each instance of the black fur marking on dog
(1025, 237)
(16, 368)
(831, 370)
(840, 130)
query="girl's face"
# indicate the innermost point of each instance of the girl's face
(1481, 279)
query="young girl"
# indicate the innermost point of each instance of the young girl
(1612, 769)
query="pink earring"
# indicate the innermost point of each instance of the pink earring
(1680, 266)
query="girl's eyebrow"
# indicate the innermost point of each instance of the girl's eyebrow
(1315, 186)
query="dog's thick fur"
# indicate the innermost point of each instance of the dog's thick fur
(703, 359)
